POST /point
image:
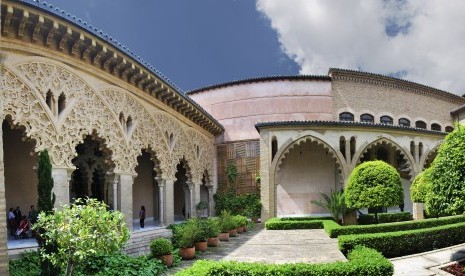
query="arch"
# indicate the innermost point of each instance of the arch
(346, 117)
(449, 129)
(436, 127)
(427, 158)
(302, 137)
(404, 122)
(61, 103)
(420, 124)
(388, 141)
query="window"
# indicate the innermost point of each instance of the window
(386, 120)
(61, 103)
(346, 117)
(129, 124)
(274, 147)
(342, 146)
(404, 122)
(420, 124)
(436, 127)
(367, 118)
(449, 129)
(49, 100)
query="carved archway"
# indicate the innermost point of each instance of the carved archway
(428, 158)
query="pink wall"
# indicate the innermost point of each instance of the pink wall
(239, 107)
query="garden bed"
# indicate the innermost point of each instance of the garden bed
(456, 268)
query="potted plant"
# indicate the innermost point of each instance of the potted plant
(212, 232)
(185, 241)
(226, 223)
(201, 233)
(201, 207)
(161, 249)
(240, 222)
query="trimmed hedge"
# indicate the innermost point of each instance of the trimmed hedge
(335, 231)
(385, 218)
(401, 243)
(279, 224)
(306, 218)
(362, 261)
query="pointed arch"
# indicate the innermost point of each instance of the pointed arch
(428, 157)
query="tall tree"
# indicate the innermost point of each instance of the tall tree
(46, 199)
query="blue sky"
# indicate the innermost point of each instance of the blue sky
(204, 42)
(193, 43)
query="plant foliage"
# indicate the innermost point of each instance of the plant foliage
(447, 195)
(160, 247)
(374, 184)
(80, 231)
(421, 186)
(334, 203)
(248, 205)
(46, 199)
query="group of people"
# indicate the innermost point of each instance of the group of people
(20, 224)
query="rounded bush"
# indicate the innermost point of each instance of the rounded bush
(447, 195)
(421, 186)
(160, 247)
(374, 184)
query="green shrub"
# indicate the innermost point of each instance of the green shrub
(401, 243)
(306, 218)
(186, 235)
(384, 218)
(248, 205)
(374, 184)
(160, 247)
(447, 195)
(362, 261)
(421, 186)
(226, 222)
(333, 203)
(120, 264)
(213, 227)
(28, 264)
(240, 220)
(278, 224)
(334, 232)
(201, 229)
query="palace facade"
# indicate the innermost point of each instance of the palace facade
(118, 130)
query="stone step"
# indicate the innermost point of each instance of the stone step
(139, 243)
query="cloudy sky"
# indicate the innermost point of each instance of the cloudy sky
(204, 42)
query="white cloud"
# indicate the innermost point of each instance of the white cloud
(422, 41)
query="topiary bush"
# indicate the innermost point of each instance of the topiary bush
(421, 186)
(160, 247)
(401, 243)
(362, 261)
(374, 184)
(384, 218)
(447, 195)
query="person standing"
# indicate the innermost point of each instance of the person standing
(18, 215)
(12, 221)
(142, 216)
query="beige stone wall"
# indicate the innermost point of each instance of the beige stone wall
(306, 172)
(239, 107)
(360, 97)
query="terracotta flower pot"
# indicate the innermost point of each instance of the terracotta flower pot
(187, 253)
(245, 228)
(213, 242)
(201, 246)
(223, 236)
(240, 230)
(233, 233)
(166, 259)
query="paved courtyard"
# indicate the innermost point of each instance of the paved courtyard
(274, 246)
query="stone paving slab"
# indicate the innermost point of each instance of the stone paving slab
(273, 246)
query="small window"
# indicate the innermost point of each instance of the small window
(121, 118)
(129, 124)
(449, 129)
(342, 146)
(420, 124)
(346, 117)
(386, 120)
(49, 100)
(436, 127)
(274, 147)
(61, 103)
(404, 122)
(352, 147)
(367, 118)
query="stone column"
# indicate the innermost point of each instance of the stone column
(169, 201)
(267, 189)
(347, 151)
(192, 199)
(3, 226)
(125, 190)
(61, 181)
(115, 193)
(210, 201)
(196, 198)
(418, 209)
(161, 202)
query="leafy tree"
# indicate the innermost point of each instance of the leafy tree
(374, 184)
(447, 195)
(46, 199)
(421, 186)
(81, 231)
(333, 203)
